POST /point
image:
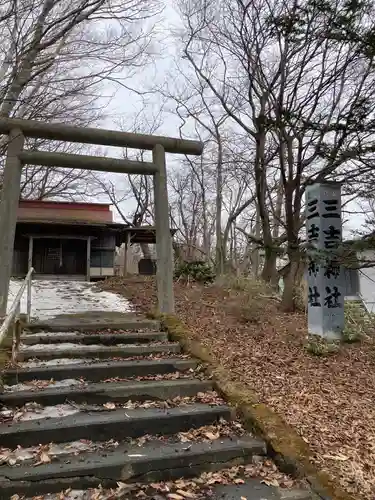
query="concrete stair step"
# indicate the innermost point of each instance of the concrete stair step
(134, 324)
(96, 372)
(99, 393)
(149, 463)
(112, 424)
(90, 419)
(94, 338)
(96, 351)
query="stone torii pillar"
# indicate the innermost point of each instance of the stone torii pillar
(164, 250)
(17, 129)
(8, 211)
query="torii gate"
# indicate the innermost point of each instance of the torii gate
(18, 129)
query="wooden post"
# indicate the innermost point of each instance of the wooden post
(31, 248)
(29, 292)
(88, 258)
(164, 252)
(126, 254)
(255, 252)
(16, 335)
(29, 285)
(8, 212)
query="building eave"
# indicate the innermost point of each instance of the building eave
(142, 234)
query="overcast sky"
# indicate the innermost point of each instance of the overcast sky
(126, 105)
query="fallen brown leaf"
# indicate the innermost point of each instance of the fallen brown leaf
(110, 406)
(341, 458)
(212, 436)
(239, 481)
(328, 401)
(186, 494)
(44, 458)
(271, 482)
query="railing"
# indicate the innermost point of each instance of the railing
(12, 319)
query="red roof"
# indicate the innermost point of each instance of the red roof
(64, 210)
(68, 204)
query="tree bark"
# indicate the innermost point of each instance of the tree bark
(220, 250)
(269, 268)
(292, 282)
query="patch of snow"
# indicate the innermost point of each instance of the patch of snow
(34, 411)
(49, 334)
(18, 387)
(52, 362)
(18, 455)
(11, 457)
(69, 495)
(72, 447)
(66, 346)
(62, 346)
(45, 384)
(51, 298)
(95, 493)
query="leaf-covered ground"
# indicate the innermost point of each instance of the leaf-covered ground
(330, 401)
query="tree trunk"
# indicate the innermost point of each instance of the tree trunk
(269, 268)
(260, 170)
(292, 282)
(255, 252)
(220, 258)
(220, 249)
(177, 253)
(278, 209)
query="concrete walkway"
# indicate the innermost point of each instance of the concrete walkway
(55, 298)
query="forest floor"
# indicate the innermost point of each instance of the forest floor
(330, 401)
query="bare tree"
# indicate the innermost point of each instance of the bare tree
(192, 209)
(132, 189)
(303, 99)
(220, 170)
(55, 57)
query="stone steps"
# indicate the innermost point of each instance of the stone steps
(135, 324)
(95, 351)
(96, 371)
(141, 431)
(94, 338)
(100, 393)
(111, 424)
(150, 463)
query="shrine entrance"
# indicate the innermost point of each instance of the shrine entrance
(55, 256)
(18, 130)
